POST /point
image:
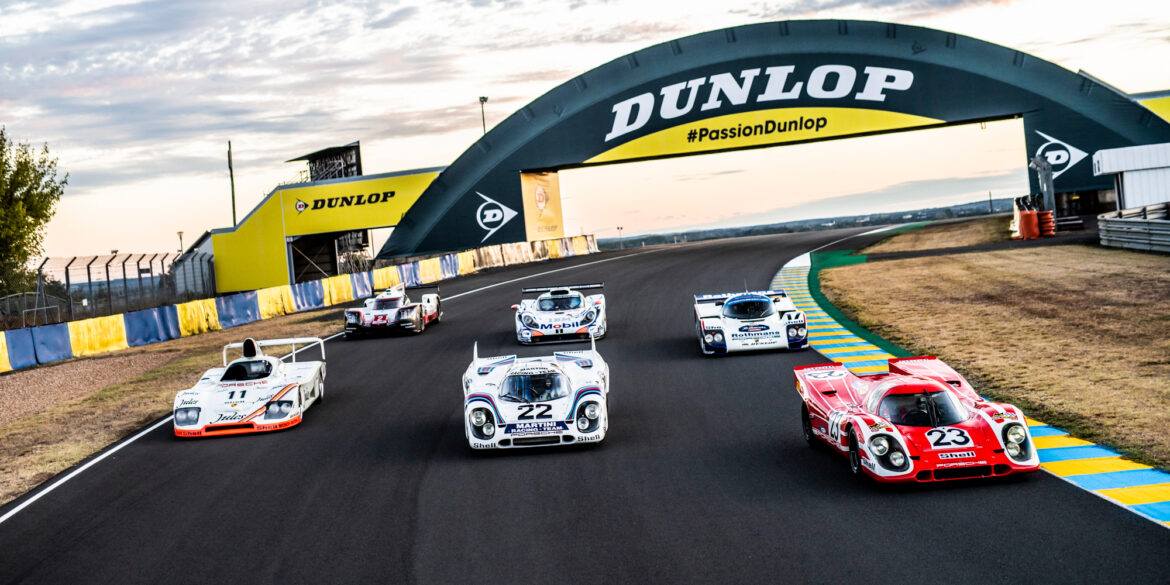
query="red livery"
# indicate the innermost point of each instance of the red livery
(921, 422)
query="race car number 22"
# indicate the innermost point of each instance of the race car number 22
(946, 437)
(526, 411)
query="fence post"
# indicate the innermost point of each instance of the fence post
(109, 285)
(150, 272)
(69, 288)
(138, 268)
(89, 283)
(125, 286)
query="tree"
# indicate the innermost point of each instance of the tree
(29, 191)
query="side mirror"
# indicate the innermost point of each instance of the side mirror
(515, 307)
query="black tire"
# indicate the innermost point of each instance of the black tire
(855, 457)
(806, 426)
(422, 324)
(321, 392)
(438, 312)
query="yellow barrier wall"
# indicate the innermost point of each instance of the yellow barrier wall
(5, 365)
(338, 289)
(197, 317)
(385, 278)
(275, 301)
(467, 262)
(97, 335)
(581, 244)
(430, 271)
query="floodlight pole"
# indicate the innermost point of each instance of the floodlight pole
(232, 177)
(482, 117)
(621, 244)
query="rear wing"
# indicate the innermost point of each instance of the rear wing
(540, 289)
(720, 298)
(251, 347)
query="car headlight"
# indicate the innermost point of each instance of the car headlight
(793, 332)
(591, 411)
(1013, 449)
(478, 417)
(273, 409)
(590, 315)
(718, 338)
(897, 459)
(802, 332)
(285, 407)
(488, 429)
(708, 338)
(880, 446)
(186, 416)
(1015, 434)
(527, 320)
(278, 409)
(582, 424)
(350, 317)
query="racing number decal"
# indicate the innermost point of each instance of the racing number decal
(526, 411)
(233, 393)
(947, 437)
(829, 375)
(378, 320)
(835, 420)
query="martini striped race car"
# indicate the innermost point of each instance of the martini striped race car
(253, 393)
(922, 422)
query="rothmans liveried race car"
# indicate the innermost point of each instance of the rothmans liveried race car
(748, 321)
(252, 394)
(921, 422)
(561, 313)
(392, 310)
(511, 402)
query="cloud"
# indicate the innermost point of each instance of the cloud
(904, 8)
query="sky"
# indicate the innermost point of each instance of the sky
(138, 101)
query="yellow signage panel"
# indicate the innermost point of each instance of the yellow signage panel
(1160, 106)
(760, 128)
(542, 206)
(351, 205)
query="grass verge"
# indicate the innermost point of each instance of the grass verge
(34, 448)
(946, 235)
(1078, 336)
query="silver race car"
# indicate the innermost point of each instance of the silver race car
(561, 313)
(393, 310)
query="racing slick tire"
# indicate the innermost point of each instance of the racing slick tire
(320, 392)
(438, 312)
(421, 325)
(806, 426)
(855, 457)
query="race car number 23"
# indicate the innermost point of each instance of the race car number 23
(526, 411)
(948, 437)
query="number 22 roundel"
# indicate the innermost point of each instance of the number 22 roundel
(948, 438)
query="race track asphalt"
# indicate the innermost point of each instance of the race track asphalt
(703, 478)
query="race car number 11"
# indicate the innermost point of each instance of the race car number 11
(948, 437)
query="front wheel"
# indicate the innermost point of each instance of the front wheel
(421, 325)
(854, 456)
(438, 312)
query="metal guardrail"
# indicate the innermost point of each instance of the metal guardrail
(1139, 228)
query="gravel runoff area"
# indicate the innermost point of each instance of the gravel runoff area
(1078, 336)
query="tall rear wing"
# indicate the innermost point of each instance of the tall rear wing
(719, 298)
(541, 289)
(253, 345)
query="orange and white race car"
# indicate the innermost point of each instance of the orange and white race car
(254, 393)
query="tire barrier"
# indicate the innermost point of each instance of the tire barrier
(22, 348)
(1047, 222)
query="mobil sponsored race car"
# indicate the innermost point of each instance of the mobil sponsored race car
(253, 393)
(393, 310)
(748, 321)
(921, 422)
(511, 402)
(561, 313)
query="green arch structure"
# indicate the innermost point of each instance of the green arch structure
(765, 85)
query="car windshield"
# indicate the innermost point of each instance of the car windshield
(560, 303)
(748, 309)
(922, 409)
(251, 370)
(534, 387)
(385, 304)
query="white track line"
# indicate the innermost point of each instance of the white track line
(160, 423)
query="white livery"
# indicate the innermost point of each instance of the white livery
(251, 394)
(747, 321)
(511, 402)
(393, 310)
(561, 313)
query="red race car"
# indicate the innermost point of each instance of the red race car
(921, 422)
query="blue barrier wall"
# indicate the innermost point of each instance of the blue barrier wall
(450, 265)
(409, 274)
(152, 325)
(237, 309)
(52, 343)
(363, 284)
(308, 295)
(21, 351)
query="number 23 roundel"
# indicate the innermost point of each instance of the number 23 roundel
(948, 438)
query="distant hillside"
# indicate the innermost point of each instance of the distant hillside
(807, 225)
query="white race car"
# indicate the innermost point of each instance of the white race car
(252, 394)
(561, 313)
(392, 310)
(748, 321)
(513, 402)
